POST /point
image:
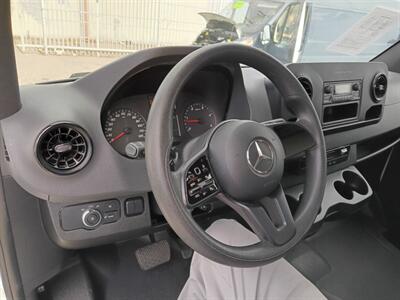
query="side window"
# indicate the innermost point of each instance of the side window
(287, 25)
(280, 26)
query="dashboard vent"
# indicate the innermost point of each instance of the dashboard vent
(306, 83)
(379, 87)
(63, 148)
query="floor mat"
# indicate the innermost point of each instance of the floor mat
(361, 264)
(118, 276)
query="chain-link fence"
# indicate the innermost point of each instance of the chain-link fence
(106, 27)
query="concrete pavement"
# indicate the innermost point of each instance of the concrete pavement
(33, 68)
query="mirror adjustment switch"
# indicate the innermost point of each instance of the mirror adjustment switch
(134, 206)
(109, 205)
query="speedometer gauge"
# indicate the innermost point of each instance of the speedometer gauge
(198, 118)
(123, 126)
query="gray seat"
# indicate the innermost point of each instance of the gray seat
(276, 281)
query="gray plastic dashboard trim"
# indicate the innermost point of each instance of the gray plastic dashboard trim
(331, 196)
(107, 174)
(391, 145)
(11, 280)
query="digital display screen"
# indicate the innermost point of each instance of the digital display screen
(342, 88)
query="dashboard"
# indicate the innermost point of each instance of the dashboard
(82, 151)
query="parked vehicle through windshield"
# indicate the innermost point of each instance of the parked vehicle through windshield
(56, 39)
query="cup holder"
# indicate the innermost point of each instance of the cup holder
(352, 183)
(344, 190)
(356, 182)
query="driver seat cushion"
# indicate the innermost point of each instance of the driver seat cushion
(275, 281)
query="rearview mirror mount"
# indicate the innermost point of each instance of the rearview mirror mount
(266, 34)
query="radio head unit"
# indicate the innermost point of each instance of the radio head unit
(341, 101)
(342, 91)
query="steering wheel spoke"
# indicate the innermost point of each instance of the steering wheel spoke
(269, 217)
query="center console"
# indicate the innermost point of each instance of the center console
(345, 95)
(346, 187)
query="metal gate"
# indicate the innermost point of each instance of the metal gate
(106, 27)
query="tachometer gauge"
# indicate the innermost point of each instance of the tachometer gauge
(123, 126)
(198, 118)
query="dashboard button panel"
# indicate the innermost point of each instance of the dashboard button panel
(90, 215)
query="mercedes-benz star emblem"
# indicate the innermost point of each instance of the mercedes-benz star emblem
(260, 157)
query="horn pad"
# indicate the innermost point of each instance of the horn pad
(247, 159)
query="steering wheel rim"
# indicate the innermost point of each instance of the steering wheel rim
(168, 187)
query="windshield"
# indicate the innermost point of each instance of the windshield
(247, 15)
(57, 39)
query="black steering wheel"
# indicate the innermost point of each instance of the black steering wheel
(240, 162)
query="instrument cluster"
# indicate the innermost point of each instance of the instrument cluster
(124, 121)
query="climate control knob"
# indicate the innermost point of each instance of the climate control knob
(91, 218)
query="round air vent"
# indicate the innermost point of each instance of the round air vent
(306, 83)
(63, 148)
(379, 87)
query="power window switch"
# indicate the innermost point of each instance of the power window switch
(134, 206)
